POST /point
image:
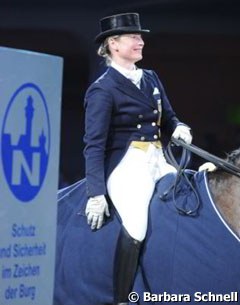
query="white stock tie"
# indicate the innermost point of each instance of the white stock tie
(135, 76)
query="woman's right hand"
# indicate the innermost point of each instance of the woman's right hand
(95, 210)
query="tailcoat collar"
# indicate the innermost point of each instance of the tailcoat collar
(127, 87)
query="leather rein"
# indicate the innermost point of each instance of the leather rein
(181, 165)
(220, 163)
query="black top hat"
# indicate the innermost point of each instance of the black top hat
(119, 24)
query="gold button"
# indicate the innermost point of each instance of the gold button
(153, 124)
(155, 111)
(142, 138)
(139, 126)
(155, 136)
(140, 116)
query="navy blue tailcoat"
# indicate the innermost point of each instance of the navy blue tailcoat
(118, 112)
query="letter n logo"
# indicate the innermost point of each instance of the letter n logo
(26, 142)
(21, 168)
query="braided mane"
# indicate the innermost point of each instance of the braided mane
(234, 157)
(219, 174)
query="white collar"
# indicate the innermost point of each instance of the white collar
(133, 75)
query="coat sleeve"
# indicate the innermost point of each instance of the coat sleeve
(98, 112)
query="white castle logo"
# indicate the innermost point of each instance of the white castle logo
(25, 163)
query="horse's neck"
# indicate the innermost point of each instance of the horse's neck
(226, 194)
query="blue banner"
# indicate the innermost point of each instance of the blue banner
(30, 86)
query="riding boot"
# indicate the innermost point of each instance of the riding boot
(125, 266)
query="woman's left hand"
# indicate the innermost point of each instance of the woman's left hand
(183, 132)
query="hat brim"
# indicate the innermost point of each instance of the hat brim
(100, 37)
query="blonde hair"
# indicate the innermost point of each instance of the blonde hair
(104, 51)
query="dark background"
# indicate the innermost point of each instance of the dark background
(194, 46)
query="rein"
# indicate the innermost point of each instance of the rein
(182, 165)
(226, 166)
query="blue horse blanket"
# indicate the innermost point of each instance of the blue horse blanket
(184, 259)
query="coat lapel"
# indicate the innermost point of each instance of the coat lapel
(128, 88)
(148, 88)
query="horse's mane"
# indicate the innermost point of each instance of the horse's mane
(219, 174)
(234, 157)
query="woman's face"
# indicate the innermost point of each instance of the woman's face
(127, 47)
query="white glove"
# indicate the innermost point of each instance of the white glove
(208, 166)
(95, 210)
(182, 132)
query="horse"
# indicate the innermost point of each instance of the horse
(191, 251)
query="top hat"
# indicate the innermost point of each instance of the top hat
(119, 24)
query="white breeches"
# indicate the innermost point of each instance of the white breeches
(132, 183)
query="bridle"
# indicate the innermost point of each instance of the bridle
(181, 165)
